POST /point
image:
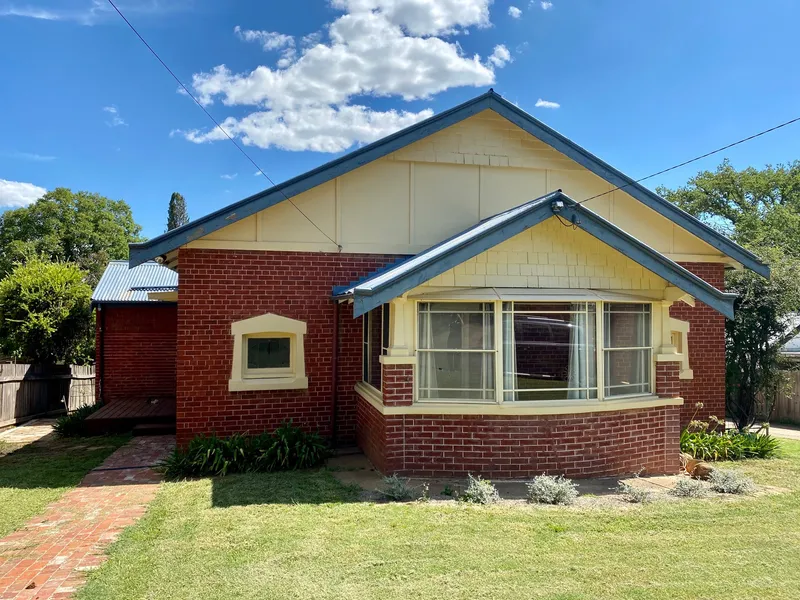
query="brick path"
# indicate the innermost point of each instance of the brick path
(50, 556)
(32, 431)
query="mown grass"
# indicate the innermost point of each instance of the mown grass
(303, 535)
(35, 474)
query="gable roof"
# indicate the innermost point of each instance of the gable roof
(122, 284)
(176, 238)
(381, 287)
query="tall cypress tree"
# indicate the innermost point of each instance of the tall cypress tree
(177, 214)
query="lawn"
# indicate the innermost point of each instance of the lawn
(302, 535)
(36, 474)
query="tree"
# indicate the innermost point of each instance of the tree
(761, 211)
(45, 313)
(81, 227)
(177, 215)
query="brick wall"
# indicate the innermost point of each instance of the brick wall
(137, 357)
(706, 349)
(398, 385)
(668, 383)
(221, 286)
(578, 445)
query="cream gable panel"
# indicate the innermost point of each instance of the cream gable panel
(284, 223)
(446, 201)
(550, 255)
(241, 231)
(502, 189)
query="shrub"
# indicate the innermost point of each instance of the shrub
(396, 488)
(74, 424)
(479, 491)
(546, 489)
(689, 488)
(726, 481)
(288, 448)
(728, 445)
(633, 494)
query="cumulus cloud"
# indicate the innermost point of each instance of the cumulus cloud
(14, 194)
(546, 104)
(378, 48)
(546, 5)
(514, 12)
(115, 120)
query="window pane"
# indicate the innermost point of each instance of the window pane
(627, 372)
(559, 307)
(627, 325)
(446, 328)
(456, 375)
(268, 353)
(375, 345)
(549, 356)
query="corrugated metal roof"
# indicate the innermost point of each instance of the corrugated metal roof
(122, 284)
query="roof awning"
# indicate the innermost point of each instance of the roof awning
(398, 279)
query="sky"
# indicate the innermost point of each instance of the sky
(643, 85)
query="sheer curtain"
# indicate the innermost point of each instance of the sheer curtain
(577, 356)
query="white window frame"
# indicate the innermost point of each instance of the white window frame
(366, 343)
(498, 345)
(650, 348)
(268, 326)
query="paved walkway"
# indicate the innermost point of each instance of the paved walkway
(788, 432)
(30, 432)
(50, 556)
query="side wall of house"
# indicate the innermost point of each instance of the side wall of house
(136, 351)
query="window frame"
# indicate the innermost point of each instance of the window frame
(267, 373)
(366, 343)
(600, 351)
(650, 349)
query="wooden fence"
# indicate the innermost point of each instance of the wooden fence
(787, 404)
(28, 391)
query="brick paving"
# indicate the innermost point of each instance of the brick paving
(50, 556)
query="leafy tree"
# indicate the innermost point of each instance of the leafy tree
(45, 313)
(761, 211)
(177, 215)
(79, 227)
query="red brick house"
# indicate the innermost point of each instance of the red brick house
(475, 293)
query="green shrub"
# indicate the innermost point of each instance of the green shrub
(397, 489)
(547, 489)
(633, 494)
(74, 424)
(689, 488)
(728, 445)
(479, 491)
(288, 448)
(730, 482)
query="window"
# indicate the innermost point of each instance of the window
(627, 349)
(376, 343)
(456, 351)
(549, 351)
(268, 354)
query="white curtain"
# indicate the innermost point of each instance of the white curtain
(577, 356)
(509, 358)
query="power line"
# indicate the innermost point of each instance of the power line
(208, 114)
(696, 158)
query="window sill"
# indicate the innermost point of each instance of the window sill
(566, 407)
(273, 383)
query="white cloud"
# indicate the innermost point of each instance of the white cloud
(546, 5)
(116, 119)
(90, 12)
(514, 12)
(229, 176)
(17, 193)
(269, 40)
(380, 48)
(546, 104)
(33, 156)
(500, 57)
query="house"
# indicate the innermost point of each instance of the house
(135, 332)
(475, 293)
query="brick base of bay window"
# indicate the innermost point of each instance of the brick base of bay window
(668, 379)
(398, 385)
(510, 447)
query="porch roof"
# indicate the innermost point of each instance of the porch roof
(397, 279)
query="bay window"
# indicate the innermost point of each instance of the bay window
(533, 351)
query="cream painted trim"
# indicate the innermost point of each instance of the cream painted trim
(370, 394)
(269, 325)
(669, 358)
(517, 408)
(397, 360)
(163, 296)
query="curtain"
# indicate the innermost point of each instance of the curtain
(509, 358)
(577, 356)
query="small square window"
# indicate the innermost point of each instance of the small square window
(269, 353)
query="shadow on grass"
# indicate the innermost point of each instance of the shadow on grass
(291, 487)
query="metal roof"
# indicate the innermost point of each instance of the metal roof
(198, 228)
(389, 283)
(120, 283)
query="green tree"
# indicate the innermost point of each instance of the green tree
(45, 313)
(760, 209)
(177, 215)
(79, 227)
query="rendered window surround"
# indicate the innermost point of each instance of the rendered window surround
(268, 326)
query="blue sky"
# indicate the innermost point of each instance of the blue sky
(644, 85)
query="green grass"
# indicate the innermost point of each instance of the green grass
(36, 474)
(303, 536)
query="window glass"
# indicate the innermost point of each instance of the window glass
(456, 351)
(549, 351)
(628, 352)
(376, 342)
(268, 353)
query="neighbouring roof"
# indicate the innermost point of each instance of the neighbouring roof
(401, 277)
(120, 283)
(176, 238)
(792, 347)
